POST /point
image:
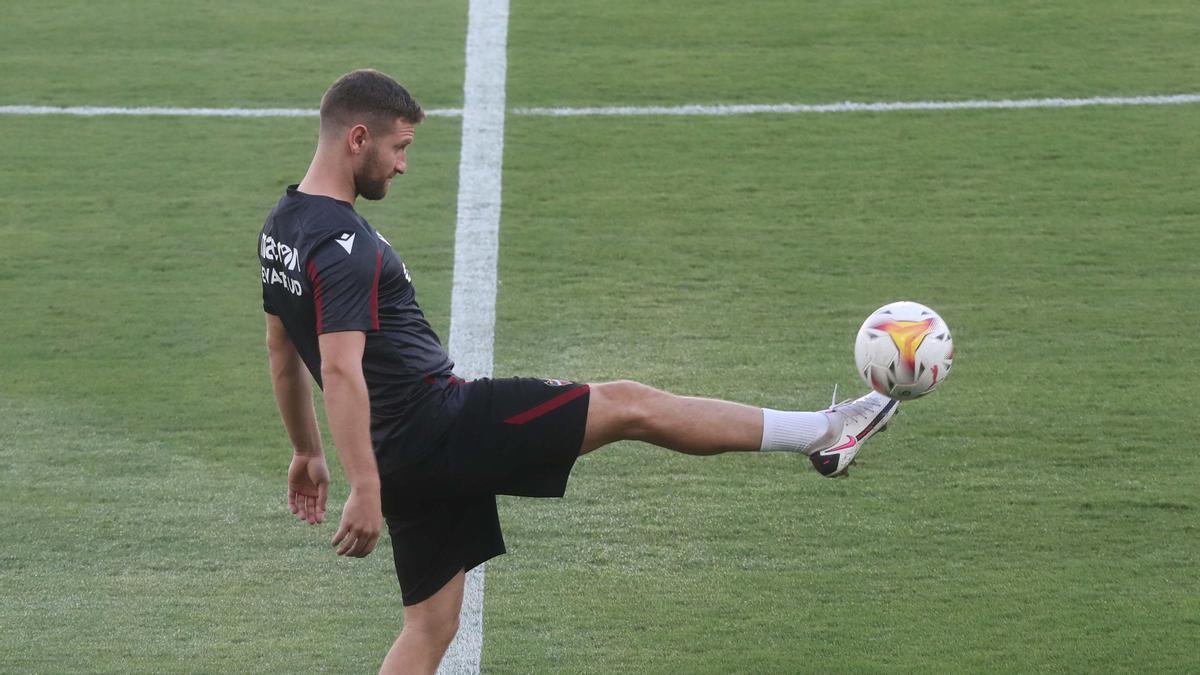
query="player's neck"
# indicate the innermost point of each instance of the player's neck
(326, 180)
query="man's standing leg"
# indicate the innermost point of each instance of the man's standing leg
(429, 627)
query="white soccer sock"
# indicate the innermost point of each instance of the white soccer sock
(785, 431)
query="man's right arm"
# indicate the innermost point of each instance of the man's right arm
(345, 281)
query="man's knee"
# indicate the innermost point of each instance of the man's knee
(627, 405)
(435, 627)
(623, 390)
(436, 619)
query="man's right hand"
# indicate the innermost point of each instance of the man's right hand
(308, 485)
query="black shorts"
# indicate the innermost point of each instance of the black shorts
(511, 437)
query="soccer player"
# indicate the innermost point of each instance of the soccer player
(423, 449)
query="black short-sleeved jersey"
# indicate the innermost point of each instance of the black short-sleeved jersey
(324, 270)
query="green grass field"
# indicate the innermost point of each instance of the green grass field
(1039, 513)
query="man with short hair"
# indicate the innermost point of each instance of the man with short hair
(422, 448)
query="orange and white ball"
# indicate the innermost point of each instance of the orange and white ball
(904, 350)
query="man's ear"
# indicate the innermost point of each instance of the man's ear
(357, 138)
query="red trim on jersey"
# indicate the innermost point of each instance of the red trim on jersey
(312, 275)
(375, 288)
(452, 379)
(553, 404)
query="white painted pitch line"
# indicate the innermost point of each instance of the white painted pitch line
(852, 106)
(476, 246)
(155, 111)
(159, 111)
(630, 111)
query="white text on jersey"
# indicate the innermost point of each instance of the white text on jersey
(270, 250)
(270, 276)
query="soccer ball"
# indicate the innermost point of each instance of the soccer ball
(904, 350)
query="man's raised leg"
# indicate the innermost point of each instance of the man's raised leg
(429, 627)
(628, 410)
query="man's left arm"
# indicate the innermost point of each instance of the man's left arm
(308, 475)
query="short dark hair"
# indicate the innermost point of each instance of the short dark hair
(368, 97)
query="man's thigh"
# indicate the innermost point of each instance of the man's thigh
(517, 436)
(513, 436)
(435, 539)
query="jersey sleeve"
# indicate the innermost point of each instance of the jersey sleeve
(268, 306)
(344, 272)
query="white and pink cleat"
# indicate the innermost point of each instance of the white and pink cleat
(859, 419)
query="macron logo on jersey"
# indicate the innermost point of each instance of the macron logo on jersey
(346, 241)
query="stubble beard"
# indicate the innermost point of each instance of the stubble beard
(365, 185)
